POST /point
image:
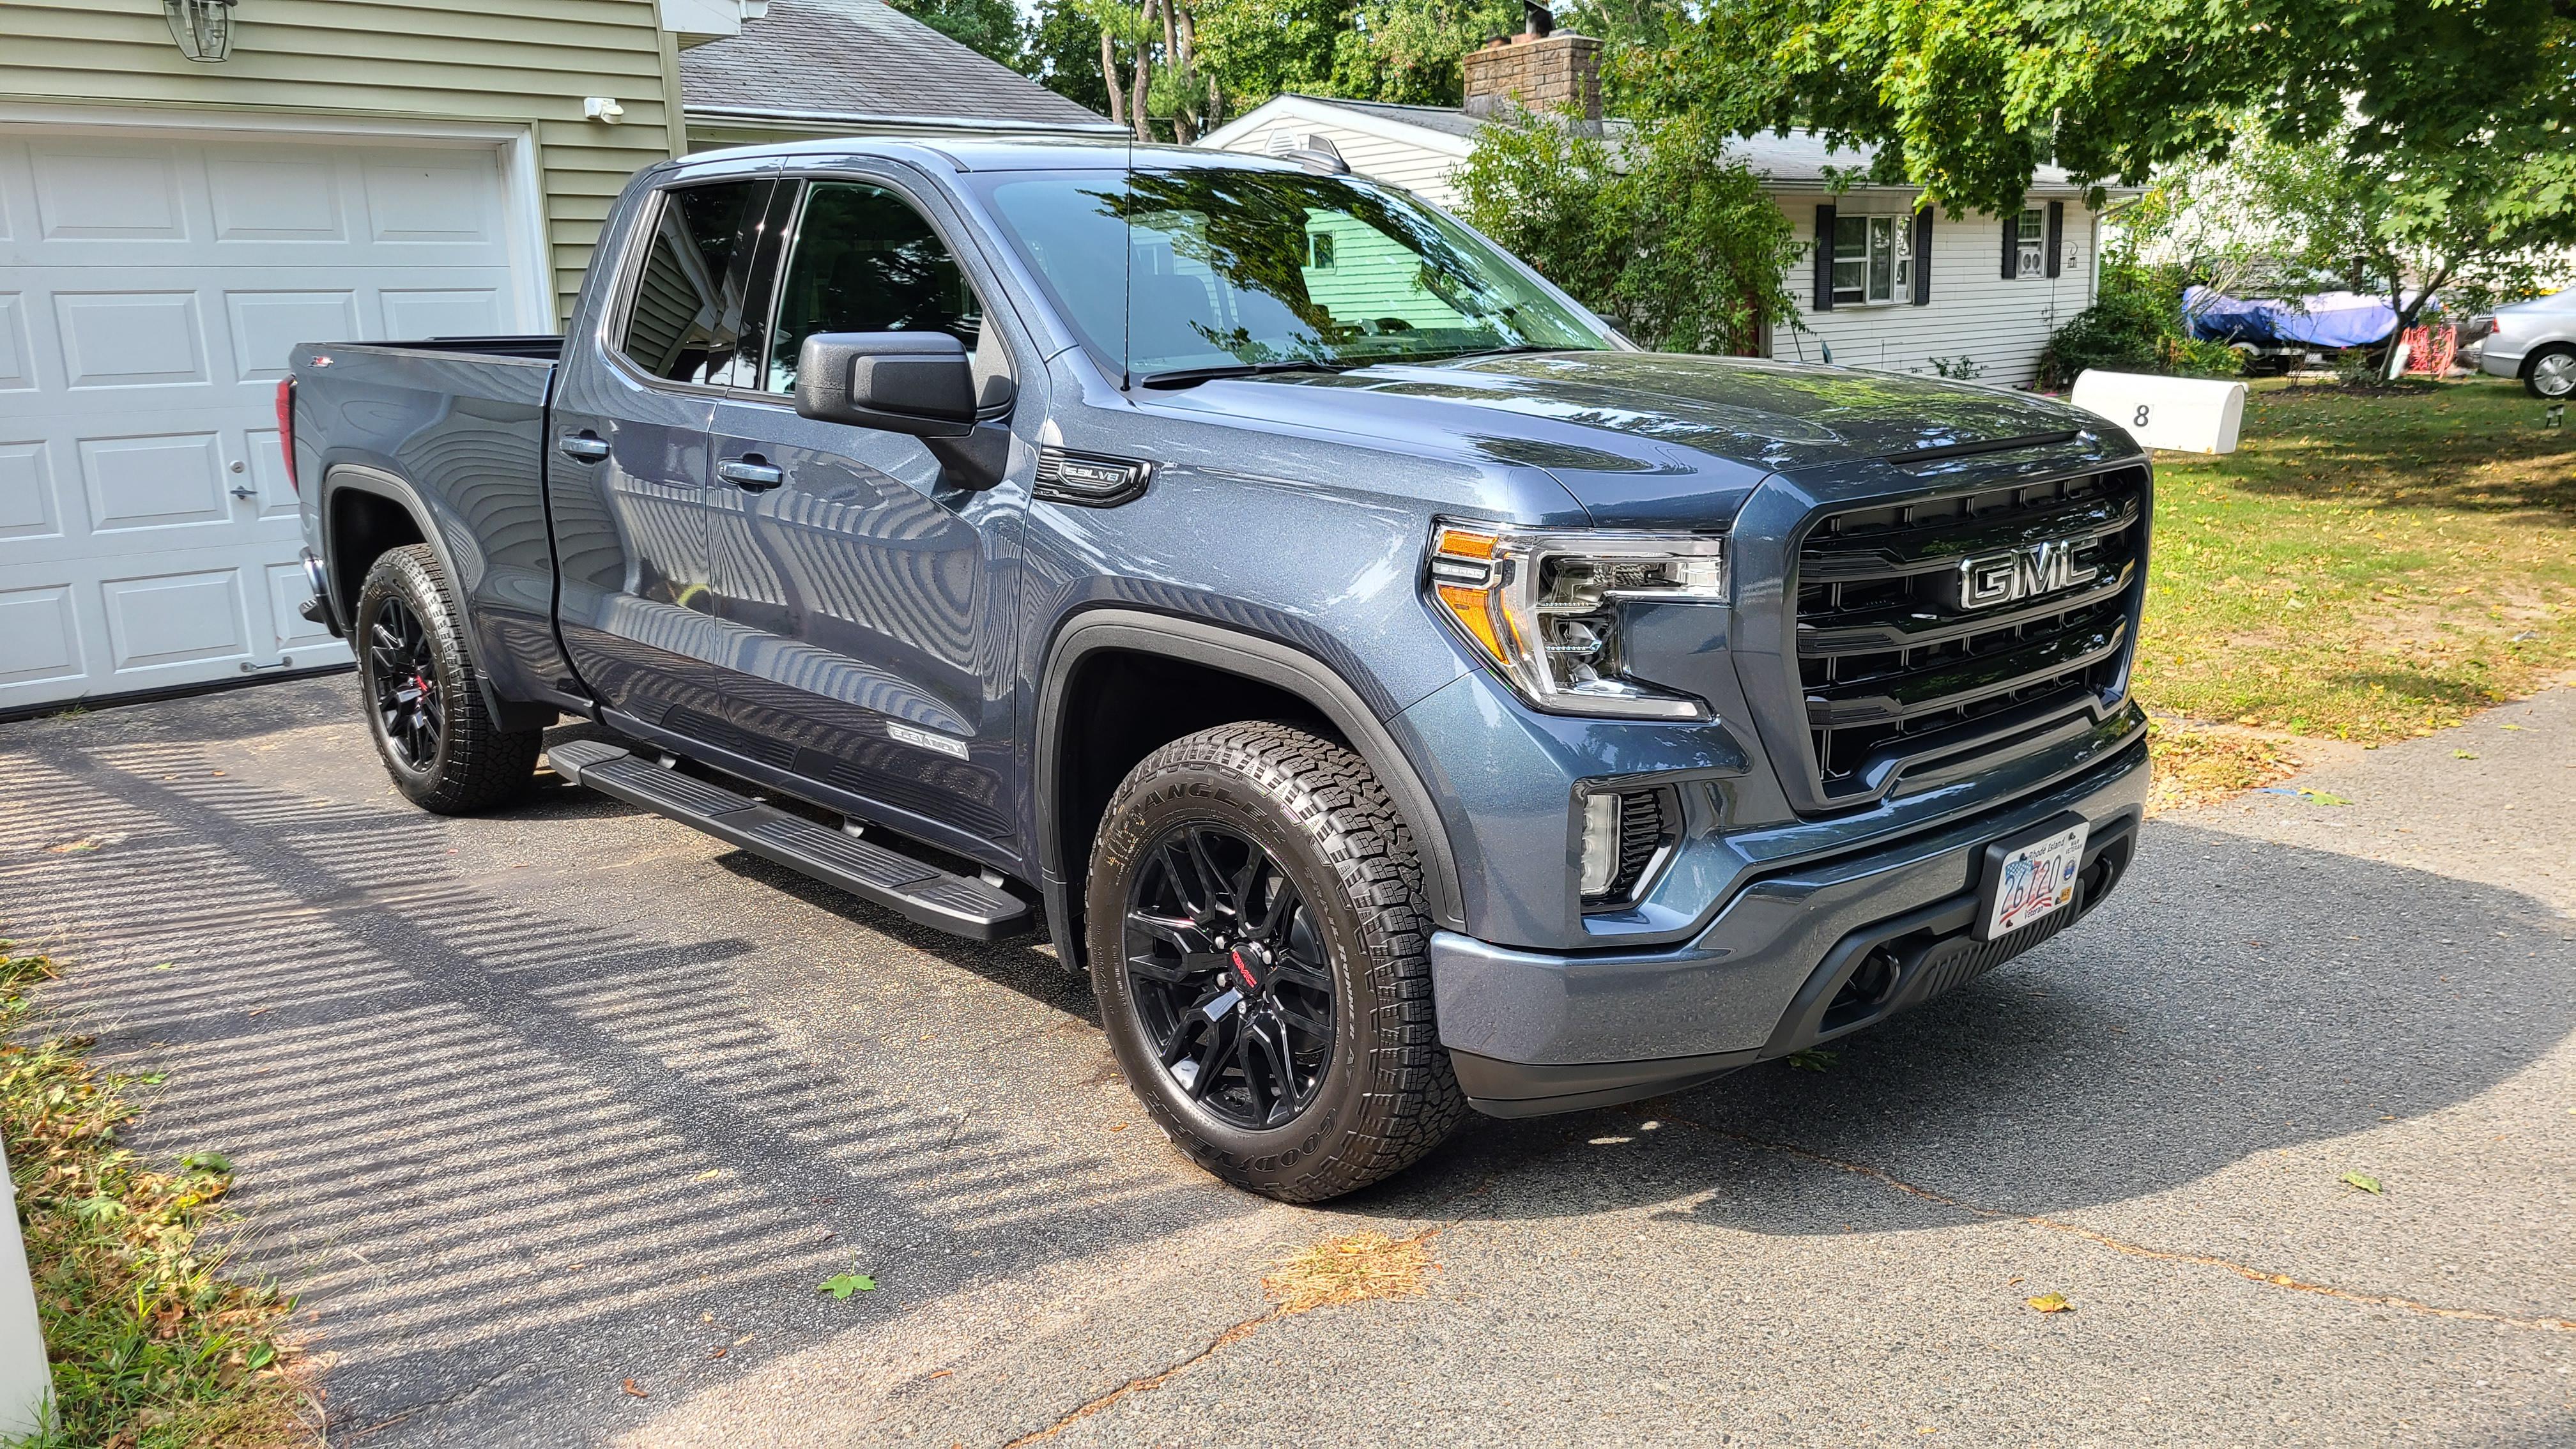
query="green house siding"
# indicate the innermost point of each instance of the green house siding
(517, 62)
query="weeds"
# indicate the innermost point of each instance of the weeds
(152, 1347)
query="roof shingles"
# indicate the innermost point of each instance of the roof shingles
(864, 60)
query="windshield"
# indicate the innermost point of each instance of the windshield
(1240, 268)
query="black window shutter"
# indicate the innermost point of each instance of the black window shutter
(1923, 257)
(2012, 245)
(2056, 234)
(1824, 259)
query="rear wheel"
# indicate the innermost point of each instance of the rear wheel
(424, 700)
(1260, 950)
(2552, 373)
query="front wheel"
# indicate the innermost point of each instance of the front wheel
(1259, 947)
(2552, 374)
(424, 702)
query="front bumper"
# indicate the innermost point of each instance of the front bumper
(1780, 968)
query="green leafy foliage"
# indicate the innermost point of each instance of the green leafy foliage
(153, 1346)
(2363, 1181)
(2134, 325)
(1966, 96)
(842, 1285)
(1412, 51)
(1660, 231)
(990, 28)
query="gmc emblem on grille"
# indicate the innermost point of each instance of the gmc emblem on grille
(2023, 573)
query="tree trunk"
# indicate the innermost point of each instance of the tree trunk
(1109, 79)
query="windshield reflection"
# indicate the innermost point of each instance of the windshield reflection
(1225, 270)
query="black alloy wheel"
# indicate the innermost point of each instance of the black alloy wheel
(402, 675)
(1227, 968)
(1255, 930)
(423, 695)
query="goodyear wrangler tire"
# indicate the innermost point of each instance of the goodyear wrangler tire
(1259, 945)
(423, 699)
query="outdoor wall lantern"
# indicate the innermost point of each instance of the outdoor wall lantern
(203, 28)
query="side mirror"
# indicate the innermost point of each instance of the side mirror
(902, 382)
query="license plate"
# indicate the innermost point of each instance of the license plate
(2032, 877)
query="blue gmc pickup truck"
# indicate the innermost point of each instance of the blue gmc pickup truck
(1399, 692)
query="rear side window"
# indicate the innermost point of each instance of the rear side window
(864, 260)
(686, 322)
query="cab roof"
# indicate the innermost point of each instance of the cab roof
(1001, 153)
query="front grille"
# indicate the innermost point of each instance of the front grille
(1892, 664)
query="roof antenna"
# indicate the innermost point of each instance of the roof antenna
(1127, 305)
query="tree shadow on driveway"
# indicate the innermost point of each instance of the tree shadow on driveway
(516, 1144)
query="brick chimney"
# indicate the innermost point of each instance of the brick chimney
(1560, 72)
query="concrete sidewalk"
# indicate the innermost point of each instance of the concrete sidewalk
(529, 1106)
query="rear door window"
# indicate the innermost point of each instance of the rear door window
(687, 320)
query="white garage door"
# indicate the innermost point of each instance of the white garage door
(149, 292)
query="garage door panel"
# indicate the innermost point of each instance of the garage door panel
(172, 481)
(287, 592)
(443, 312)
(266, 462)
(163, 619)
(40, 639)
(446, 198)
(28, 507)
(130, 339)
(107, 191)
(17, 354)
(267, 326)
(279, 195)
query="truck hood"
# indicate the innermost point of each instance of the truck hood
(1644, 438)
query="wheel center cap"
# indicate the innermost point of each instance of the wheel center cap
(1248, 966)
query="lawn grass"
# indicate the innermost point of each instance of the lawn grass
(152, 1346)
(2367, 566)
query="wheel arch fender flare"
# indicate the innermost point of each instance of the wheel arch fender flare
(1255, 658)
(343, 478)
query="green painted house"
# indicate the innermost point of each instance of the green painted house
(328, 169)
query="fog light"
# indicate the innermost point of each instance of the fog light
(1600, 843)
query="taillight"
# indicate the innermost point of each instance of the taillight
(286, 429)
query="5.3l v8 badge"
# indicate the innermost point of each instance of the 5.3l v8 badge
(2022, 573)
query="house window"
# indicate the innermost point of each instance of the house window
(1873, 259)
(1319, 246)
(2031, 237)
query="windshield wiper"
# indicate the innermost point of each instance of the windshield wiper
(1193, 376)
(1496, 352)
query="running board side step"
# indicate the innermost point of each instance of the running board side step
(915, 890)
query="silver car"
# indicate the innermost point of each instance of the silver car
(2534, 341)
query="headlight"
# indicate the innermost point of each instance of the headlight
(1544, 607)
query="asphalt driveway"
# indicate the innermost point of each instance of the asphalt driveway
(531, 1106)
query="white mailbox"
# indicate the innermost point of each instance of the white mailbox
(2184, 414)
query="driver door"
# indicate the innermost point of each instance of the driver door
(867, 603)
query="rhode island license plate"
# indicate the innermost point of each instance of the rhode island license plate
(2032, 877)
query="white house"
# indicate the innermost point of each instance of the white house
(1893, 286)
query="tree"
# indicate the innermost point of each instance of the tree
(1964, 97)
(1062, 53)
(1663, 232)
(1255, 49)
(990, 28)
(1412, 51)
(2402, 223)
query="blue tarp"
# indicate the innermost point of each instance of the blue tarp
(2330, 319)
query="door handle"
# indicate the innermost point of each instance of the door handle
(584, 446)
(751, 474)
